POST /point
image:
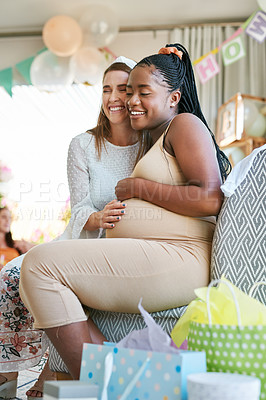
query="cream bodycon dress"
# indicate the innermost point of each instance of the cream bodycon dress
(152, 253)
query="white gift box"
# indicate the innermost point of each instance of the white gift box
(222, 386)
(69, 390)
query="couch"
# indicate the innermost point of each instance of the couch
(238, 252)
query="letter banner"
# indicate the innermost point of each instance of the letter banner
(257, 27)
(24, 68)
(207, 68)
(233, 51)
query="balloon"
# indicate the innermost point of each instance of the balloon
(262, 4)
(250, 113)
(51, 73)
(88, 65)
(235, 154)
(263, 110)
(99, 25)
(258, 128)
(62, 35)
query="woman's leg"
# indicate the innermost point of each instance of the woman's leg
(8, 385)
(111, 274)
(23, 346)
(78, 333)
(36, 391)
(7, 377)
(72, 337)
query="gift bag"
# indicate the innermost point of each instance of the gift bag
(231, 348)
(123, 373)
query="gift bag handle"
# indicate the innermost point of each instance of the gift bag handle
(108, 368)
(254, 287)
(234, 297)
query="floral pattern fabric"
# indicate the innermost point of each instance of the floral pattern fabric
(21, 346)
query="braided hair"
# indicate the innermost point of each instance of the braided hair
(178, 74)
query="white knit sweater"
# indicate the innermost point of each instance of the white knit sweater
(92, 181)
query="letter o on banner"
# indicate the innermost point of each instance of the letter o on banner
(233, 51)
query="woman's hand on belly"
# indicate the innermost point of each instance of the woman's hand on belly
(106, 218)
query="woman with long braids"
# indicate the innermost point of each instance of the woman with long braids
(160, 250)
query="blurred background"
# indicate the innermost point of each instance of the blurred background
(53, 54)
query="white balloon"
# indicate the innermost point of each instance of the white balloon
(262, 4)
(50, 72)
(88, 65)
(250, 113)
(258, 128)
(263, 110)
(99, 25)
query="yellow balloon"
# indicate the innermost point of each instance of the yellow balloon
(62, 35)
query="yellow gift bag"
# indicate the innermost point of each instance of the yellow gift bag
(230, 327)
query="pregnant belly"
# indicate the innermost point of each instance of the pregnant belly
(143, 220)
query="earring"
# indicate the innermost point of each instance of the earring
(173, 104)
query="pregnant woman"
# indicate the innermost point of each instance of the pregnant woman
(160, 250)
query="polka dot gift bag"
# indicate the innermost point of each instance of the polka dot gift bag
(130, 374)
(230, 348)
(142, 366)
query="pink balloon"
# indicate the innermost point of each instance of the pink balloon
(62, 35)
(88, 65)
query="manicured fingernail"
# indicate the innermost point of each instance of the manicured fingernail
(122, 211)
(117, 217)
(112, 225)
(124, 204)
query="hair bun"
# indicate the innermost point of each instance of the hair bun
(169, 50)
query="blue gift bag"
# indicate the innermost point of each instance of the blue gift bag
(140, 374)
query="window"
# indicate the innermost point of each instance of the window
(36, 128)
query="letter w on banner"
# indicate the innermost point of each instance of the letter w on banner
(257, 27)
(207, 68)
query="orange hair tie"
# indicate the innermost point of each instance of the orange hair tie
(169, 50)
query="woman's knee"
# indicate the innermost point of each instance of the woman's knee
(31, 264)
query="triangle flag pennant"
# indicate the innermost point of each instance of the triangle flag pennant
(42, 50)
(23, 68)
(6, 79)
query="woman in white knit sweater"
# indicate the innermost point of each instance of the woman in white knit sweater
(97, 160)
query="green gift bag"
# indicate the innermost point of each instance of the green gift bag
(231, 348)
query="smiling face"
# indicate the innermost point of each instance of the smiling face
(5, 220)
(149, 103)
(114, 96)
